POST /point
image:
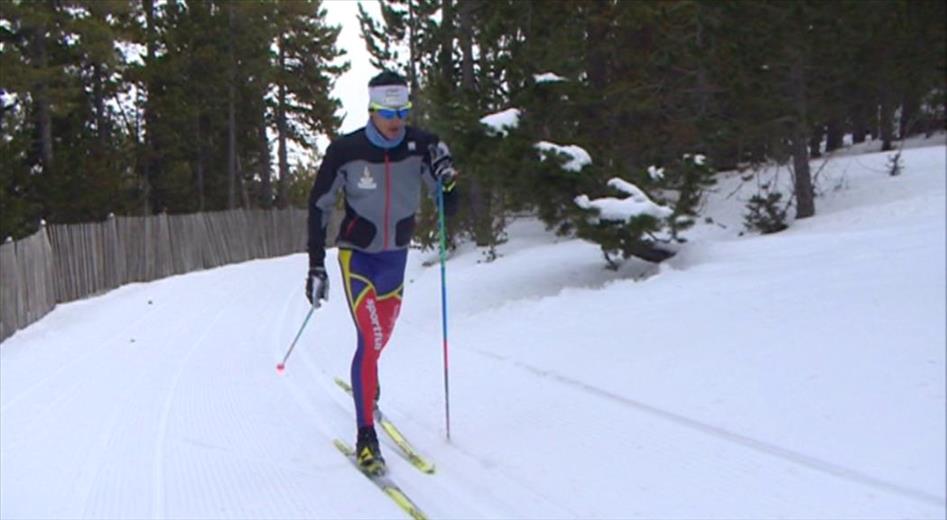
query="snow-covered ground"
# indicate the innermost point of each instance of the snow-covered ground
(796, 375)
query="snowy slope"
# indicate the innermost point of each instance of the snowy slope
(794, 375)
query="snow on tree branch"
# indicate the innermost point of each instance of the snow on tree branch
(578, 157)
(655, 173)
(501, 122)
(548, 77)
(618, 210)
(698, 159)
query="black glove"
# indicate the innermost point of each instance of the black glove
(317, 285)
(442, 164)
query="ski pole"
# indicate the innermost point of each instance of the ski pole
(442, 228)
(281, 367)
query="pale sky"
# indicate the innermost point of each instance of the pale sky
(352, 87)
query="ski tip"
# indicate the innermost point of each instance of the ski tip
(424, 466)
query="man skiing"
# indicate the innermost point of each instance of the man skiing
(380, 169)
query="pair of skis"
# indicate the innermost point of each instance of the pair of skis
(405, 449)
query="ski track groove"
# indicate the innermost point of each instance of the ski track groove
(279, 322)
(103, 344)
(498, 473)
(214, 478)
(277, 484)
(745, 441)
(114, 479)
(325, 428)
(41, 419)
(274, 479)
(220, 406)
(283, 479)
(158, 504)
(328, 384)
(96, 456)
(144, 365)
(71, 392)
(90, 471)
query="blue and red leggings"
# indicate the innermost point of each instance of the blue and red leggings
(374, 283)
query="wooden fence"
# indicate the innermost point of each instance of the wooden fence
(67, 262)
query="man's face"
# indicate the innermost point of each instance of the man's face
(390, 128)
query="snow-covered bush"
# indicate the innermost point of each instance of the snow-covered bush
(624, 226)
(649, 219)
(765, 212)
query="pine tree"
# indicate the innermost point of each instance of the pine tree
(645, 83)
(61, 64)
(33, 72)
(305, 72)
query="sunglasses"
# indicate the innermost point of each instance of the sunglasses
(392, 113)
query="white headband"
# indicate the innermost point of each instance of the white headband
(392, 96)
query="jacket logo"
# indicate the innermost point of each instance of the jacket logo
(367, 182)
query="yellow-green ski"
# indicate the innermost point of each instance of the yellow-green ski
(384, 483)
(405, 448)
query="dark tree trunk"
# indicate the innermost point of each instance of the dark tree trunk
(200, 164)
(703, 85)
(231, 151)
(815, 144)
(805, 199)
(146, 158)
(833, 135)
(860, 125)
(447, 43)
(479, 196)
(417, 113)
(479, 213)
(595, 62)
(266, 197)
(282, 193)
(101, 120)
(242, 184)
(886, 120)
(595, 55)
(466, 45)
(862, 111)
(912, 122)
(412, 53)
(231, 115)
(910, 113)
(44, 121)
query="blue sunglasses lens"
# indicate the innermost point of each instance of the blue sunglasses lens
(391, 113)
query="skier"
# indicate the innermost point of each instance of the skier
(380, 169)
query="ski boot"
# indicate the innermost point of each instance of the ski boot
(368, 454)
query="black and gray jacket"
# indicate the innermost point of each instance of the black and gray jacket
(382, 190)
